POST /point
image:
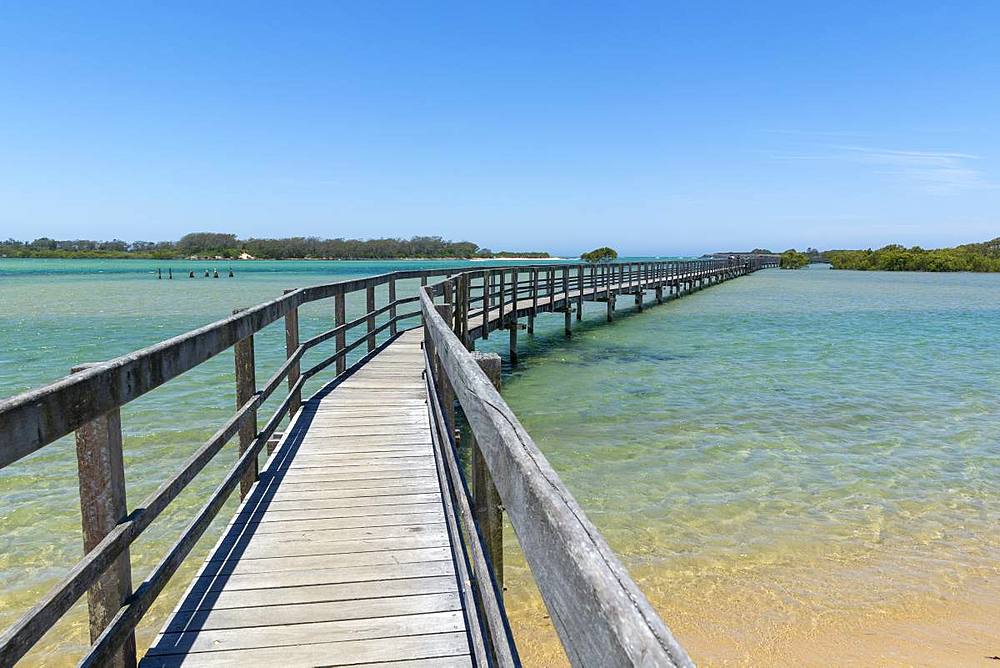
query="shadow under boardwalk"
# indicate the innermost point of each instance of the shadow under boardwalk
(340, 555)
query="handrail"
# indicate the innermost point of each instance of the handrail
(600, 614)
(34, 419)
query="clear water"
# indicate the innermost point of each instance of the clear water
(58, 313)
(797, 467)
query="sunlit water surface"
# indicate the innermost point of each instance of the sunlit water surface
(797, 467)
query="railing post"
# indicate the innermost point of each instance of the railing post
(291, 345)
(567, 309)
(488, 507)
(608, 293)
(533, 277)
(246, 386)
(101, 472)
(445, 390)
(513, 316)
(579, 296)
(393, 329)
(487, 300)
(370, 320)
(340, 318)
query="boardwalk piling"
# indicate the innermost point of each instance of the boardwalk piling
(101, 471)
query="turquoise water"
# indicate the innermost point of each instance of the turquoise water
(792, 464)
(788, 460)
(58, 313)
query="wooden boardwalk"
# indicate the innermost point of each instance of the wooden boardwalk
(340, 555)
(365, 540)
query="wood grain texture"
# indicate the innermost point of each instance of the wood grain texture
(340, 551)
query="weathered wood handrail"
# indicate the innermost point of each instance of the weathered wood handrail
(601, 616)
(34, 419)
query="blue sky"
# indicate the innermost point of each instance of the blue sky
(653, 127)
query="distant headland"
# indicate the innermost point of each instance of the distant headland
(216, 245)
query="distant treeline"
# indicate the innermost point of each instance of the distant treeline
(214, 244)
(982, 257)
(793, 259)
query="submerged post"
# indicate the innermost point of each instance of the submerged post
(488, 507)
(291, 345)
(246, 386)
(101, 472)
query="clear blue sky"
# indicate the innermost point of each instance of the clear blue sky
(657, 128)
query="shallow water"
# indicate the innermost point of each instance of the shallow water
(797, 467)
(58, 313)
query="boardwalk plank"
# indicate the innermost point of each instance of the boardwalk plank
(340, 554)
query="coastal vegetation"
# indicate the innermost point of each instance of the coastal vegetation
(602, 254)
(220, 245)
(793, 259)
(979, 257)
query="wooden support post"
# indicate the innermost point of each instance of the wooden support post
(291, 344)
(579, 297)
(567, 311)
(512, 328)
(460, 295)
(611, 306)
(445, 391)
(101, 473)
(513, 294)
(246, 386)
(370, 320)
(502, 317)
(393, 329)
(488, 507)
(659, 294)
(340, 318)
(533, 277)
(487, 300)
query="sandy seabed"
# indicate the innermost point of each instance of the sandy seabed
(765, 624)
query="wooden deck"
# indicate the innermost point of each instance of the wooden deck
(340, 555)
(363, 541)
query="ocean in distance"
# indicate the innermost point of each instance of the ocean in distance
(798, 468)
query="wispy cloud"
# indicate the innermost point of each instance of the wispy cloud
(941, 173)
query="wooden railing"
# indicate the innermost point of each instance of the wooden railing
(88, 403)
(601, 616)
(597, 609)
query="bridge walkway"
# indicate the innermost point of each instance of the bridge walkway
(340, 555)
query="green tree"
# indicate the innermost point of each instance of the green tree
(792, 259)
(602, 254)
